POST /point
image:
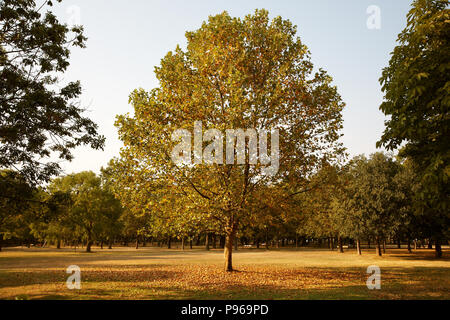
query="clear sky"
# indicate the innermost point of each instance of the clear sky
(126, 39)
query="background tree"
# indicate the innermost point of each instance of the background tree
(13, 209)
(417, 99)
(111, 224)
(134, 226)
(375, 197)
(90, 203)
(51, 219)
(38, 120)
(348, 215)
(411, 226)
(321, 219)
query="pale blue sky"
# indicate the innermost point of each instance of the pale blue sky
(128, 38)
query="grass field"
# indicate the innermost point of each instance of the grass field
(155, 273)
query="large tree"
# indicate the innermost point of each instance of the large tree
(40, 115)
(249, 73)
(417, 99)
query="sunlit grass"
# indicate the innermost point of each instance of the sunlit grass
(155, 273)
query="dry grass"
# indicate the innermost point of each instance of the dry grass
(154, 273)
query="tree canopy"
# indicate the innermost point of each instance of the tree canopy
(40, 115)
(417, 100)
(249, 73)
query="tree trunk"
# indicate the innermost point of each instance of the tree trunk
(169, 243)
(257, 243)
(207, 242)
(415, 244)
(137, 243)
(110, 244)
(378, 247)
(296, 240)
(399, 245)
(58, 244)
(228, 250)
(101, 244)
(341, 247)
(384, 246)
(430, 244)
(182, 243)
(88, 246)
(409, 245)
(332, 243)
(190, 243)
(214, 240)
(438, 248)
(358, 246)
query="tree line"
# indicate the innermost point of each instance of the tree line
(371, 200)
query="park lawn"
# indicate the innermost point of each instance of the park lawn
(156, 273)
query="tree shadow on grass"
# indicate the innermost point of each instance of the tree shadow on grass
(422, 254)
(249, 282)
(102, 273)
